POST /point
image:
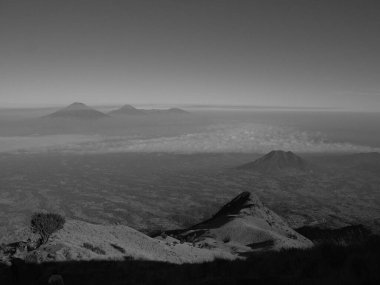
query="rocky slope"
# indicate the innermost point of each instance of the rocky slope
(240, 227)
(79, 240)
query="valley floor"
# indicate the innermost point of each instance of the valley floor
(168, 191)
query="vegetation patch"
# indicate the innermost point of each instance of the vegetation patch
(117, 247)
(45, 224)
(93, 248)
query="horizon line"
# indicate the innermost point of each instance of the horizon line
(188, 105)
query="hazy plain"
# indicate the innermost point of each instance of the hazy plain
(171, 171)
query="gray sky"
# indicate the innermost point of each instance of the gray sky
(323, 53)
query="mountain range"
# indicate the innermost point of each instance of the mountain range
(129, 110)
(80, 111)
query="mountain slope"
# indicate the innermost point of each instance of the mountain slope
(278, 161)
(77, 111)
(246, 223)
(80, 240)
(240, 227)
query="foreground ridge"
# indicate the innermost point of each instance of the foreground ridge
(241, 226)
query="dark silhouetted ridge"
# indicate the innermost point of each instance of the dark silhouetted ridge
(235, 205)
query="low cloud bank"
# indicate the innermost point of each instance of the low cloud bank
(43, 143)
(253, 138)
(227, 138)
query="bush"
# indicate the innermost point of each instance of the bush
(119, 248)
(93, 248)
(45, 224)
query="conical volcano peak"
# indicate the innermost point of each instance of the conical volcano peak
(128, 107)
(277, 160)
(77, 106)
(282, 156)
(280, 153)
(77, 110)
(127, 110)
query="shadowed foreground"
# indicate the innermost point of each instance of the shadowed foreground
(323, 264)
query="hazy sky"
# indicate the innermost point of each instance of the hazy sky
(282, 53)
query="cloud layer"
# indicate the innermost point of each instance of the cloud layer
(255, 138)
(239, 138)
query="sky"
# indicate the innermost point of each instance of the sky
(296, 53)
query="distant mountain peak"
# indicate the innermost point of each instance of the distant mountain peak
(128, 107)
(127, 110)
(77, 110)
(77, 106)
(130, 110)
(177, 111)
(277, 160)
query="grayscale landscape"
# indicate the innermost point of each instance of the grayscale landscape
(189, 142)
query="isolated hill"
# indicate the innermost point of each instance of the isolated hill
(77, 111)
(278, 161)
(176, 111)
(127, 110)
(244, 224)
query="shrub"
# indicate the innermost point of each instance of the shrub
(226, 239)
(45, 224)
(119, 248)
(93, 248)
